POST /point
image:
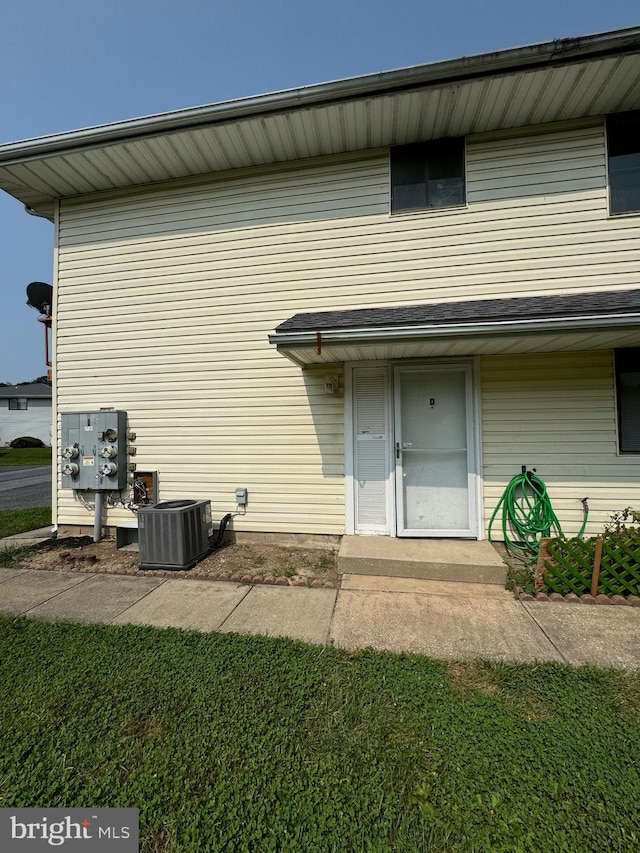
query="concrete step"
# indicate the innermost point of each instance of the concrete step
(420, 586)
(457, 560)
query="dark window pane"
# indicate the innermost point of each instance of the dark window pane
(628, 385)
(623, 144)
(445, 158)
(427, 174)
(624, 182)
(446, 192)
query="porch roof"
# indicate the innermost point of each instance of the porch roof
(547, 323)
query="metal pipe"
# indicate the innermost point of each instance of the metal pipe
(97, 520)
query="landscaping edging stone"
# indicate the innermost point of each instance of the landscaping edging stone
(91, 565)
(572, 598)
(76, 561)
(236, 577)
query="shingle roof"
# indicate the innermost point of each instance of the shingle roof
(32, 389)
(589, 304)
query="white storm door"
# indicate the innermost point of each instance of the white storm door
(371, 434)
(435, 469)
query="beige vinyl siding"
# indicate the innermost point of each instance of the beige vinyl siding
(556, 413)
(166, 296)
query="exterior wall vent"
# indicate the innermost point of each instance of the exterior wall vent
(174, 534)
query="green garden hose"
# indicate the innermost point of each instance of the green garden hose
(527, 516)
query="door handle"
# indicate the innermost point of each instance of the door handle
(397, 450)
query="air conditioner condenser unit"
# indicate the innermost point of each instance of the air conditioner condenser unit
(174, 534)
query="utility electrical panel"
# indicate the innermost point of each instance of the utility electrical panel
(93, 450)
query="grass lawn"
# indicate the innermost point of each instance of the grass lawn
(14, 521)
(25, 456)
(232, 743)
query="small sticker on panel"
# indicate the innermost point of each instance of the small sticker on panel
(88, 460)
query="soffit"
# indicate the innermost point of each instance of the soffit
(541, 84)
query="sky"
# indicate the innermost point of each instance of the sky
(78, 63)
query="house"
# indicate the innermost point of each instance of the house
(368, 302)
(25, 410)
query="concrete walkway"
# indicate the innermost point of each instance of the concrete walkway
(442, 620)
(31, 537)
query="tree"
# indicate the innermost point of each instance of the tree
(42, 380)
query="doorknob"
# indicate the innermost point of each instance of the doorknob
(397, 450)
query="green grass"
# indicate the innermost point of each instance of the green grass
(232, 743)
(25, 456)
(14, 521)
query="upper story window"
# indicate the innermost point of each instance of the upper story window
(628, 388)
(623, 148)
(18, 403)
(427, 175)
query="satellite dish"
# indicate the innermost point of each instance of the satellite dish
(40, 296)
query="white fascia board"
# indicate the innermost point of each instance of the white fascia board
(559, 52)
(382, 333)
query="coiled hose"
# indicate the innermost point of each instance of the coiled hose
(527, 516)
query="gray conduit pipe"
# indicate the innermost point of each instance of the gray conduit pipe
(97, 520)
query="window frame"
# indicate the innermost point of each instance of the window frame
(412, 211)
(620, 414)
(609, 120)
(14, 404)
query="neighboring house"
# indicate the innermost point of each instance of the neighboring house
(369, 302)
(25, 410)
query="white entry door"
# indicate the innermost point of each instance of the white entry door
(434, 451)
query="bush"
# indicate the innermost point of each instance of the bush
(26, 441)
(623, 523)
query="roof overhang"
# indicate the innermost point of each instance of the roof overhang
(556, 81)
(571, 332)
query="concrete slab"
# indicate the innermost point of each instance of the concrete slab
(38, 533)
(296, 612)
(379, 583)
(458, 560)
(31, 537)
(99, 598)
(7, 574)
(601, 636)
(31, 588)
(197, 605)
(438, 626)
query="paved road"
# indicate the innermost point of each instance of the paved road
(25, 486)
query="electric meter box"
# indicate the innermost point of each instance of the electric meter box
(93, 450)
